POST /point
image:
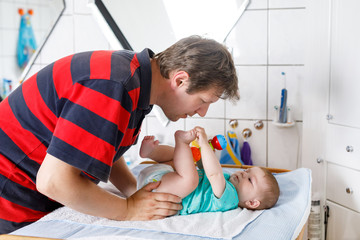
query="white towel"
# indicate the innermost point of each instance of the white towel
(211, 225)
(107, 238)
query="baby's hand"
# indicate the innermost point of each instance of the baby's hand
(201, 135)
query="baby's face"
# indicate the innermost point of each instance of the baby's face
(248, 184)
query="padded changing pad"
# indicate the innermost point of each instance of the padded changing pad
(284, 221)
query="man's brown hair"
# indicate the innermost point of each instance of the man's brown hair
(208, 63)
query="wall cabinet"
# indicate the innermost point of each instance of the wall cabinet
(344, 65)
(343, 186)
(343, 223)
(343, 128)
(343, 145)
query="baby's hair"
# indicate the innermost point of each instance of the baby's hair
(271, 191)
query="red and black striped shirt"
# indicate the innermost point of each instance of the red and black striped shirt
(85, 109)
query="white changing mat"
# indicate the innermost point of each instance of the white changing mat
(284, 221)
(224, 225)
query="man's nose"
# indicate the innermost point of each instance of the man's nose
(203, 110)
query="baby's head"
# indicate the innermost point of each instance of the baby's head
(257, 188)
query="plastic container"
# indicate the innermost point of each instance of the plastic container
(314, 224)
(6, 87)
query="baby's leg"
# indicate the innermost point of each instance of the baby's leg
(185, 178)
(148, 145)
(150, 148)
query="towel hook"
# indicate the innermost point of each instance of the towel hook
(246, 133)
(258, 124)
(233, 123)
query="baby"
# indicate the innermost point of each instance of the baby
(207, 190)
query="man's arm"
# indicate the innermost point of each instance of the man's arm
(211, 164)
(65, 184)
(122, 177)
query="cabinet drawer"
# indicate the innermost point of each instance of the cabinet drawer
(342, 186)
(343, 146)
(343, 223)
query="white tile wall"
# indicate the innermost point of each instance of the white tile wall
(287, 36)
(211, 126)
(10, 40)
(81, 7)
(281, 44)
(216, 110)
(35, 68)
(87, 37)
(287, 3)
(8, 15)
(10, 68)
(9, 31)
(258, 4)
(61, 41)
(164, 134)
(284, 146)
(36, 19)
(69, 9)
(248, 41)
(252, 88)
(268, 39)
(294, 86)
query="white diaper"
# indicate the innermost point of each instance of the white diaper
(152, 173)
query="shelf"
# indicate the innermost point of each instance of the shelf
(283, 125)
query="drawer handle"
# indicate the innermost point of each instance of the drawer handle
(349, 190)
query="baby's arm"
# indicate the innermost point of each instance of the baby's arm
(211, 164)
(185, 178)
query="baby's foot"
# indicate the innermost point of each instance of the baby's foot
(185, 136)
(148, 145)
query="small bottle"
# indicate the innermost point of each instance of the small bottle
(314, 224)
(7, 87)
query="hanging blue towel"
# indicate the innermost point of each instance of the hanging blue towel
(246, 154)
(26, 42)
(231, 154)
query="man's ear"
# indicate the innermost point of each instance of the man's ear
(252, 203)
(179, 78)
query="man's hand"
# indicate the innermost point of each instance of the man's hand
(147, 205)
(65, 184)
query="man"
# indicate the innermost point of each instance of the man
(67, 127)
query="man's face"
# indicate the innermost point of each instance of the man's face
(180, 104)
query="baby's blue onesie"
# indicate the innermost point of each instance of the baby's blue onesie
(202, 199)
